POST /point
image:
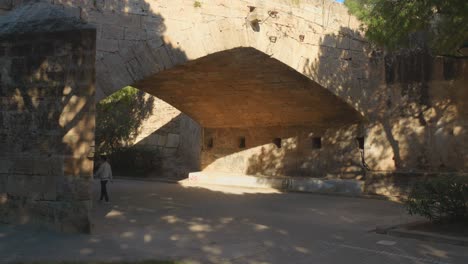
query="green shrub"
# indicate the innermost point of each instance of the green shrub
(440, 198)
(119, 118)
(197, 4)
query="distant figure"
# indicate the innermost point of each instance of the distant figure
(105, 174)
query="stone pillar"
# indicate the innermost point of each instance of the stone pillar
(47, 119)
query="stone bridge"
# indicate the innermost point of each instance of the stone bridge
(278, 88)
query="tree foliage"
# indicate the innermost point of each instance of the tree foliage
(119, 118)
(440, 198)
(393, 23)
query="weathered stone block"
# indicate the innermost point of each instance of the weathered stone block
(169, 152)
(108, 45)
(58, 61)
(162, 140)
(172, 140)
(112, 32)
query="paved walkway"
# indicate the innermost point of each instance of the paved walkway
(151, 220)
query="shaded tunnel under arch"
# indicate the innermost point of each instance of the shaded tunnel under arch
(245, 94)
(244, 87)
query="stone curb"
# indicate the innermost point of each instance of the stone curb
(175, 181)
(297, 184)
(397, 231)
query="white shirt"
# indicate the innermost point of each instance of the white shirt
(104, 172)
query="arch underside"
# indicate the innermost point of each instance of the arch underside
(244, 87)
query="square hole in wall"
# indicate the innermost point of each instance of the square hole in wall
(316, 142)
(277, 142)
(360, 141)
(210, 143)
(242, 142)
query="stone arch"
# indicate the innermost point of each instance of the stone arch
(316, 44)
(134, 41)
(138, 40)
(416, 115)
(245, 94)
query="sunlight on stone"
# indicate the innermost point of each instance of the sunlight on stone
(458, 131)
(156, 122)
(302, 250)
(3, 198)
(147, 238)
(283, 232)
(226, 220)
(291, 143)
(127, 234)
(259, 227)
(212, 250)
(18, 100)
(434, 251)
(67, 90)
(114, 213)
(229, 189)
(171, 219)
(200, 228)
(74, 106)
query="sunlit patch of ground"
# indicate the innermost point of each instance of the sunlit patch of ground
(229, 189)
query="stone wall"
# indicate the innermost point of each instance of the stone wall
(47, 112)
(310, 70)
(173, 137)
(418, 121)
(285, 151)
(138, 40)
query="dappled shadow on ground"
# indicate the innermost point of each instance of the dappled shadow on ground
(165, 221)
(252, 227)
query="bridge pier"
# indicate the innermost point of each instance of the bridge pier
(47, 112)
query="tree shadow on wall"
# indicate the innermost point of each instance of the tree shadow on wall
(336, 156)
(123, 60)
(46, 127)
(409, 98)
(47, 112)
(132, 49)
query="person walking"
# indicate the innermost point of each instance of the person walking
(105, 174)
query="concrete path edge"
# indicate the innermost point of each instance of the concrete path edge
(398, 231)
